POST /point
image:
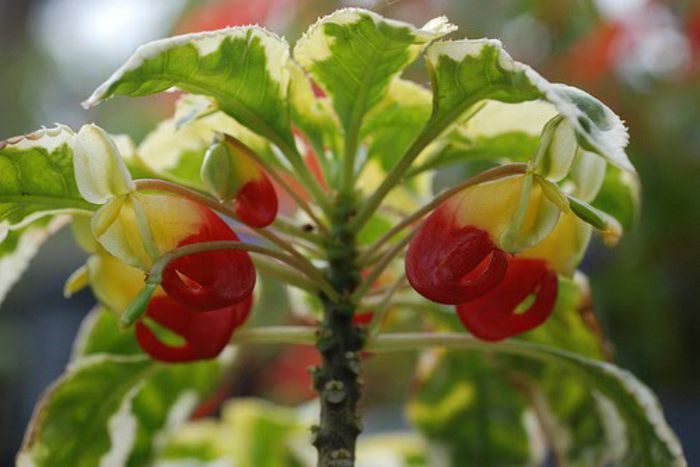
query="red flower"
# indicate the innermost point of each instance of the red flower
(487, 252)
(205, 333)
(453, 266)
(212, 279)
(496, 315)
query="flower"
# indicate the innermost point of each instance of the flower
(493, 247)
(205, 334)
(230, 172)
(207, 292)
(460, 253)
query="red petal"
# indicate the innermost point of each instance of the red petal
(361, 319)
(205, 333)
(213, 279)
(493, 316)
(256, 203)
(453, 265)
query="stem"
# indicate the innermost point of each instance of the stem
(292, 154)
(432, 130)
(383, 264)
(349, 152)
(156, 273)
(487, 175)
(339, 342)
(380, 311)
(275, 335)
(283, 274)
(288, 226)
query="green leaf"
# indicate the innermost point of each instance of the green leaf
(37, 178)
(100, 334)
(85, 414)
(354, 54)
(19, 247)
(463, 404)
(114, 403)
(391, 126)
(263, 432)
(619, 196)
(467, 72)
(244, 69)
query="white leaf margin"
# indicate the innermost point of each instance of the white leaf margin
(276, 48)
(14, 264)
(609, 143)
(314, 45)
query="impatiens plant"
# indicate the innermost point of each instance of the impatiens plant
(447, 220)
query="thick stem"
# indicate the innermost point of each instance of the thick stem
(339, 341)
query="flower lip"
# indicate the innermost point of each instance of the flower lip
(495, 316)
(256, 203)
(213, 279)
(206, 334)
(453, 265)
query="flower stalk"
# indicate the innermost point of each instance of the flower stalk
(339, 342)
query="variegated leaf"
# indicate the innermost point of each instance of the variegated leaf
(244, 69)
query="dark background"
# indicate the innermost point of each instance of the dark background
(641, 57)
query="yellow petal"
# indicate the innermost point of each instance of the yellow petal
(565, 246)
(114, 283)
(77, 281)
(170, 220)
(100, 171)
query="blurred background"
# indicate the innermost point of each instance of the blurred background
(641, 57)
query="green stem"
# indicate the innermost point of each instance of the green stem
(383, 264)
(409, 342)
(349, 152)
(275, 335)
(381, 310)
(432, 130)
(156, 273)
(339, 342)
(283, 274)
(304, 173)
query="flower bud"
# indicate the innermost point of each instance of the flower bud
(230, 173)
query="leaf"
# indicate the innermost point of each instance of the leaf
(619, 196)
(19, 247)
(393, 123)
(113, 403)
(263, 433)
(269, 435)
(37, 178)
(354, 55)
(467, 72)
(71, 424)
(99, 333)
(590, 411)
(463, 404)
(242, 68)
